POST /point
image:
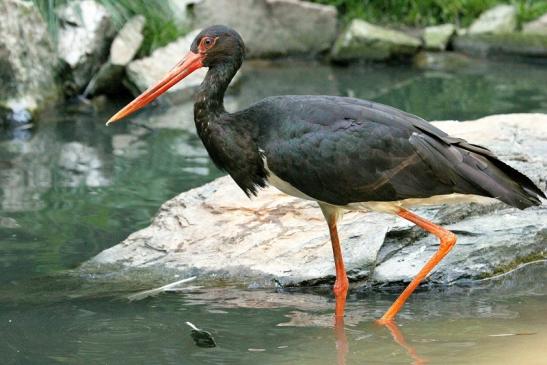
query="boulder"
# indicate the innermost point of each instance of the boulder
(122, 51)
(27, 62)
(436, 38)
(84, 37)
(538, 26)
(362, 40)
(145, 72)
(507, 46)
(216, 230)
(499, 19)
(181, 11)
(272, 27)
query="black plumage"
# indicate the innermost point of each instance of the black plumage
(342, 150)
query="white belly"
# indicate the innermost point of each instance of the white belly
(391, 207)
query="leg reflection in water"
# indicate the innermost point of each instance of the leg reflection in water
(399, 338)
(342, 347)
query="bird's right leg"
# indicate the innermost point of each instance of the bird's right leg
(341, 284)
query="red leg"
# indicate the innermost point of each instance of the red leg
(447, 241)
(341, 284)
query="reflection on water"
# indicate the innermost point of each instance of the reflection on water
(502, 321)
(70, 187)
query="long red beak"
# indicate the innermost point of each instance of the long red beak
(191, 62)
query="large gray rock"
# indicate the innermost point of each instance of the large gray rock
(145, 72)
(362, 40)
(538, 26)
(122, 51)
(507, 46)
(436, 38)
(499, 19)
(27, 62)
(181, 11)
(215, 229)
(272, 27)
(84, 37)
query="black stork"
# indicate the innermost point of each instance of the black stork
(344, 153)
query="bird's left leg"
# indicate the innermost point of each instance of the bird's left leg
(341, 284)
(447, 240)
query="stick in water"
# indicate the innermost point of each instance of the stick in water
(156, 291)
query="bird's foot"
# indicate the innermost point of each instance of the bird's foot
(340, 290)
(341, 286)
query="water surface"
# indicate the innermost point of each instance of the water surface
(70, 187)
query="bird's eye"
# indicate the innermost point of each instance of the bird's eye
(207, 42)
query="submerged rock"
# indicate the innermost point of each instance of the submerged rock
(217, 230)
(499, 19)
(441, 61)
(124, 47)
(362, 40)
(85, 34)
(436, 38)
(538, 26)
(272, 27)
(509, 46)
(27, 62)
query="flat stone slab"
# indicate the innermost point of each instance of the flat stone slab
(216, 230)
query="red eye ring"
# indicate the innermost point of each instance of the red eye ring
(206, 43)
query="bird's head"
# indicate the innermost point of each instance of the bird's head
(213, 47)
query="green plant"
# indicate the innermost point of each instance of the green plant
(159, 30)
(430, 12)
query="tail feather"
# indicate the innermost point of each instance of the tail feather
(524, 190)
(474, 169)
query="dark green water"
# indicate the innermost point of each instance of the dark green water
(70, 187)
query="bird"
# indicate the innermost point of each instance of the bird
(344, 153)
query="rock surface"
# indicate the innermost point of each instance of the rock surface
(145, 72)
(538, 26)
(216, 230)
(508, 46)
(499, 19)
(124, 47)
(85, 34)
(27, 62)
(436, 38)
(362, 40)
(272, 27)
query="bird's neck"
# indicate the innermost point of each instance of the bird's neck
(209, 100)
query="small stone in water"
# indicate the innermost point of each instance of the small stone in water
(202, 338)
